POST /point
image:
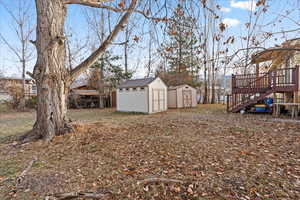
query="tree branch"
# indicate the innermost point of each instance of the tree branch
(76, 195)
(19, 179)
(96, 54)
(30, 74)
(159, 180)
(14, 50)
(87, 2)
(97, 4)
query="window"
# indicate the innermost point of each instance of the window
(34, 89)
(134, 89)
(121, 90)
(127, 89)
(142, 88)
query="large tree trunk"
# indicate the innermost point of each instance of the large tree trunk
(50, 72)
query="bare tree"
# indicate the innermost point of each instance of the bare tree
(23, 28)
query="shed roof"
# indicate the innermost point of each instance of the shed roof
(136, 83)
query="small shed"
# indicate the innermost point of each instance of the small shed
(148, 95)
(182, 96)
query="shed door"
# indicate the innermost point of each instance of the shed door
(158, 100)
(187, 98)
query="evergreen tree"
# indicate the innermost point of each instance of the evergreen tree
(180, 50)
(111, 73)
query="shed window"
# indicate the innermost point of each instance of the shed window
(142, 88)
(127, 89)
(134, 89)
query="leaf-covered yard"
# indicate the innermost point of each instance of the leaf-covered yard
(195, 154)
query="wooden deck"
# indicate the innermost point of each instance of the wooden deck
(250, 88)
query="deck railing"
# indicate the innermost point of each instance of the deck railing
(285, 79)
(251, 87)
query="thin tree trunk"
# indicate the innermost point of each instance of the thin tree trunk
(101, 86)
(213, 92)
(23, 99)
(126, 49)
(149, 53)
(205, 95)
(22, 103)
(101, 74)
(205, 84)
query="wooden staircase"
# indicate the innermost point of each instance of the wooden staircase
(249, 89)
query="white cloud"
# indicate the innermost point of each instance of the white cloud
(225, 9)
(246, 5)
(230, 22)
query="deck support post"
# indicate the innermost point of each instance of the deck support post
(274, 105)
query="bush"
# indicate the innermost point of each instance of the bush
(31, 102)
(16, 92)
(4, 107)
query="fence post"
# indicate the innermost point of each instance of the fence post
(227, 103)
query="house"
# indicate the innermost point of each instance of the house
(30, 87)
(276, 76)
(182, 96)
(148, 95)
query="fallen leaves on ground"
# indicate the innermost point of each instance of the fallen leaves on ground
(212, 155)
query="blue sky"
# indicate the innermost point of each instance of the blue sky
(235, 13)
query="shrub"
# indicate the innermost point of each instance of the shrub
(16, 92)
(31, 102)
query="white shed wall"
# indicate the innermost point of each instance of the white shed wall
(179, 96)
(158, 84)
(194, 97)
(132, 100)
(172, 101)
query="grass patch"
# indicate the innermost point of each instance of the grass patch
(211, 108)
(3, 108)
(9, 168)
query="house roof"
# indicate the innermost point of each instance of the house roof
(136, 83)
(79, 83)
(15, 78)
(85, 82)
(86, 92)
(285, 49)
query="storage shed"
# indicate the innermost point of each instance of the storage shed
(148, 95)
(182, 96)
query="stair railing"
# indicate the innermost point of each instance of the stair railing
(286, 78)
